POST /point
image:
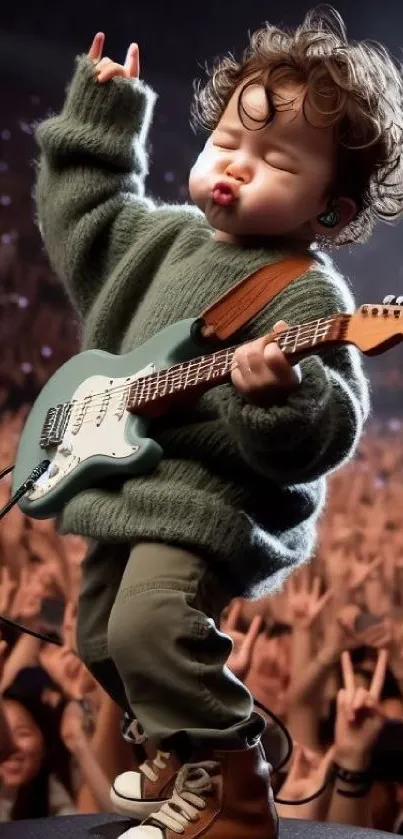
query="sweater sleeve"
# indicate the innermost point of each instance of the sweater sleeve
(319, 425)
(90, 185)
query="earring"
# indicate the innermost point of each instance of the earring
(330, 218)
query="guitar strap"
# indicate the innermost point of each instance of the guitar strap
(249, 296)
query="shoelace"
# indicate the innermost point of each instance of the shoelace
(159, 761)
(187, 800)
(133, 732)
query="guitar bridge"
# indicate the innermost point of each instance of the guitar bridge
(55, 425)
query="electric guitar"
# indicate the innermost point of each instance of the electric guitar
(90, 420)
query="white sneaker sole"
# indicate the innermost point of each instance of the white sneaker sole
(136, 809)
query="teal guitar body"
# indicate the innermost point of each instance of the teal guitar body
(81, 422)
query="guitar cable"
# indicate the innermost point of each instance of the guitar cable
(27, 485)
(33, 477)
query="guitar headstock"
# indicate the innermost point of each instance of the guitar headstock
(376, 327)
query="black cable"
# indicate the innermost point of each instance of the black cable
(285, 760)
(329, 779)
(6, 471)
(28, 484)
(30, 481)
(21, 628)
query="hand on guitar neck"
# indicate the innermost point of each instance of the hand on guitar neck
(261, 371)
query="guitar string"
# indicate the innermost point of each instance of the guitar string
(180, 376)
(172, 381)
(175, 375)
(176, 372)
(343, 322)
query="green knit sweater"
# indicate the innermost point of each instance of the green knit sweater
(241, 485)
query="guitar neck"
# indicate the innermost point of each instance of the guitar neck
(214, 369)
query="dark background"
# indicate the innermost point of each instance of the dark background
(38, 42)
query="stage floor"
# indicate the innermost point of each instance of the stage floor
(111, 827)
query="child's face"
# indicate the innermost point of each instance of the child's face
(281, 174)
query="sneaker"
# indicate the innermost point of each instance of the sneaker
(227, 795)
(143, 791)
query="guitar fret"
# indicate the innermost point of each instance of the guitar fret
(217, 365)
(296, 338)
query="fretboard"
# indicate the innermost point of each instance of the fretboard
(215, 368)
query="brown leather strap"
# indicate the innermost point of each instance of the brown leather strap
(248, 297)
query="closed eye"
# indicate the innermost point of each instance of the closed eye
(282, 168)
(224, 147)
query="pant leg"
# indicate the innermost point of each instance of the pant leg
(169, 653)
(102, 572)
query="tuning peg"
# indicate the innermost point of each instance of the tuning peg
(399, 300)
(389, 300)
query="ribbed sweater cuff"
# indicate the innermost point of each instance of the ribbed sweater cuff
(283, 427)
(128, 105)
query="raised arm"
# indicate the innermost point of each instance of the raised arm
(90, 186)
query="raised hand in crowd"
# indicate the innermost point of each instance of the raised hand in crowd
(7, 589)
(358, 724)
(358, 719)
(27, 602)
(307, 775)
(67, 671)
(6, 739)
(243, 642)
(305, 601)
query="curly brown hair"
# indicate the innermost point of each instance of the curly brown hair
(357, 86)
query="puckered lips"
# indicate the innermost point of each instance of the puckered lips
(224, 193)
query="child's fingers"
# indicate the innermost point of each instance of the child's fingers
(132, 63)
(110, 72)
(96, 48)
(280, 325)
(378, 678)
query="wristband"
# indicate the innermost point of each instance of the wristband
(358, 793)
(350, 777)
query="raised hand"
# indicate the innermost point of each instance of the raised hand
(307, 773)
(107, 69)
(358, 718)
(7, 588)
(28, 599)
(243, 642)
(361, 571)
(305, 601)
(3, 654)
(72, 729)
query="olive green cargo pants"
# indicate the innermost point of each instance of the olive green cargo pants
(147, 630)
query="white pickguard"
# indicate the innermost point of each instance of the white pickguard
(96, 427)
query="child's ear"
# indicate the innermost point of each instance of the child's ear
(334, 218)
